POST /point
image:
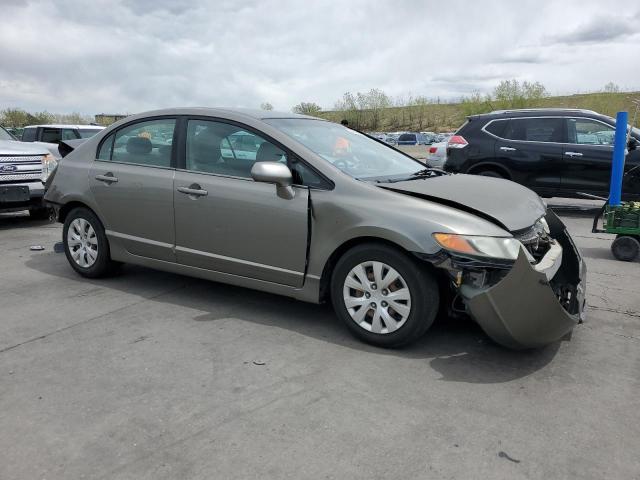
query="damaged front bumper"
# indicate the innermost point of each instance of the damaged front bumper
(533, 305)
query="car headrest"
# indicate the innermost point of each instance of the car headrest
(139, 145)
(268, 152)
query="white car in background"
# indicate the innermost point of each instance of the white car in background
(437, 154)
(50, 136)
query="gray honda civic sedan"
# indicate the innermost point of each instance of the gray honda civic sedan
(310, 209)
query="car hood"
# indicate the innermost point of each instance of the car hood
(504, 202)
(14, 147)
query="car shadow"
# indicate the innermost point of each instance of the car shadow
(456, 348)
(14, 220)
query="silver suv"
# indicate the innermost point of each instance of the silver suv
(23, 169)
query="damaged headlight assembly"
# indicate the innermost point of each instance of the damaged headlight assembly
(503, 248)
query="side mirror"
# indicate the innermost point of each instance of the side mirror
(275, 172)
(633, 143)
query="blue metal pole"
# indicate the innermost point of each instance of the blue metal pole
(617, 166)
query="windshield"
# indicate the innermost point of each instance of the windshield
(350, 151)
(4, 135)
(88, 132)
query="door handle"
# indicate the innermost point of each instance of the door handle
(193, 189)
(107, 178)
(573, 154)
(507, 149)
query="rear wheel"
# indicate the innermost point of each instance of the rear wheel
(489, 173)
(625, 248)
(85, 244)
(385, 297)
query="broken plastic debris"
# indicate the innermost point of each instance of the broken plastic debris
(36, 248)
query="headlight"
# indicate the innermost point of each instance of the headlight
(544, 225)
(49, 164)
(495, 247)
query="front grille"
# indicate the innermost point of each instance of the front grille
(27, 168)
(20, 158)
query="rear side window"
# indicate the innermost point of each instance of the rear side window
(144, 143)
(496, 127)
(535, 130)
(29, 135)
(105, 149)
(407, 137)
(51, 135)
(69, 134)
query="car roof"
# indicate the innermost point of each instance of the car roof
(527, 112)
(222, 111)
(60, 125)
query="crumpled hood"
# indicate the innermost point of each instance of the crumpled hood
(511, 205)
(14, 147)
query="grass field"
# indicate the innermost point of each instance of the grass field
(449, 116)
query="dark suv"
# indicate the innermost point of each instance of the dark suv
(555, 152)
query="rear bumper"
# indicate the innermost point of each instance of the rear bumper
(532, 307)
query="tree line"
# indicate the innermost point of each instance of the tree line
(375, 110)
(18, 118)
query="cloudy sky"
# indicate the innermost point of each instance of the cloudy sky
(129, 56)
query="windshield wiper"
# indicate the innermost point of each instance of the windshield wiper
(420, 174)
(428, 172)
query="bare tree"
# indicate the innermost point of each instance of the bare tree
(266, 106)
(307, 108)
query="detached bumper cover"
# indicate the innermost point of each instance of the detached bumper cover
(532, 307)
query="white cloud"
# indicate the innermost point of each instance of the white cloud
(130, 56)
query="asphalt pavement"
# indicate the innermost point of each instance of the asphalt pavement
(149, 375)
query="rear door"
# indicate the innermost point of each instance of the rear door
(588, 155)
(228, 223)
(132, 183)
(531, 147)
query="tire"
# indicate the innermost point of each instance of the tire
(85, 244)
(625, 248)
(413, 316)
(40, 213)
(489, 173)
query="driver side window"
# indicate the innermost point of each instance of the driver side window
(583, 131)
(225, 149)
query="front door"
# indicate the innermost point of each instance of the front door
(132, 183)
(228, 223)
(588, 156)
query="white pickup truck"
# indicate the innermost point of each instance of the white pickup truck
(24, 168)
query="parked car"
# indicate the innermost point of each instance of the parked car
(429, 137)
(555, 152)
(391, 139)
(437, 154)
(56, 133)
(366, 227)
(411, 139)
(23, 168)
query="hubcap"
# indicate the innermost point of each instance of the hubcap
(377, 297)
(82, 243)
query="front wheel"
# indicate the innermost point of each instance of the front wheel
(85, 244)
(489, 173)
(385, 297)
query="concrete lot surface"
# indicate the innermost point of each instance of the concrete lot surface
(149, 375)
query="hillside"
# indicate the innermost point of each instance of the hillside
(449, 116)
